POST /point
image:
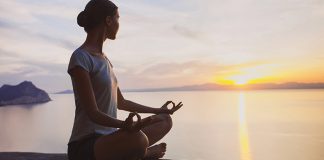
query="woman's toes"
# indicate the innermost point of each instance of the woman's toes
(163, 145)
(163, 153)
(156, 151)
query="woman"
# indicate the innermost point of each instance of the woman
(97, 133)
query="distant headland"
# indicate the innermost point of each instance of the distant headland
(23, 93)
(68, 91)
(214, 86)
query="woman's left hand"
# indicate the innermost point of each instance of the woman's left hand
(131, 126)
(165, 109)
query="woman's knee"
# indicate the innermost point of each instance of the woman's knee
(142, 139)
(140, 143)
(167, 121)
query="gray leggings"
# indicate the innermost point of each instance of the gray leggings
(83, 149)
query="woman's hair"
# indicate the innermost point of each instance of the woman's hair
(95, 12)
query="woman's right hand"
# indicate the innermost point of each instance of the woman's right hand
(131, 126)
(165, 109)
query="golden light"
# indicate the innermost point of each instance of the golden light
(243, 129)
(252, 74)
(241, 80)
(263, 73)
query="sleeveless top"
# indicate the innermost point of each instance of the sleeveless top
(104, 84)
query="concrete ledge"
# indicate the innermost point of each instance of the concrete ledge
(35, 156)
(32, 156)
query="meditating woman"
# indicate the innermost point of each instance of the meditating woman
(97, 133)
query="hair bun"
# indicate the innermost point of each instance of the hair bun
(82, 19)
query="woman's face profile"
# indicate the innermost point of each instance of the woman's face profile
(112, 26)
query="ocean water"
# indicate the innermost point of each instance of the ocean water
(224, 125)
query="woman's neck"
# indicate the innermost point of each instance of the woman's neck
(94, 42)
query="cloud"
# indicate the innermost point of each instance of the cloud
(49, 76)
(162, 43)
(5, 24)
(11, 63)
(186, 32)
(5, 53)
(160, 73)
(68, 44)
(179, 73)
(49, 21)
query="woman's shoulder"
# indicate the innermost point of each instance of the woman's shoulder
(82, 59)
(79, 52)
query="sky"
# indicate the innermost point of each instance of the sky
(166, 43)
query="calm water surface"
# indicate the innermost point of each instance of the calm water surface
(224, 125)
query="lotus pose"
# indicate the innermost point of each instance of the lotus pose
(97, 134)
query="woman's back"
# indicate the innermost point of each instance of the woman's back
(104, 84)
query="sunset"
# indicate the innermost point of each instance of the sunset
(249, 75)
(235, 43)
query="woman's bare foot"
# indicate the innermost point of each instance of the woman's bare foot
(156, 151)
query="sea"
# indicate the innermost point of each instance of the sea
(211, 125)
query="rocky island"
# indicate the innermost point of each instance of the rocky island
(23, 93)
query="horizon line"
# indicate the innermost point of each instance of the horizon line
(229, 87)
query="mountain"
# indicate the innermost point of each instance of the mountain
(68, 91)
(213, 86)
(289, 85)
(207, 86)
(23, 93)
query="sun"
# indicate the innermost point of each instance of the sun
(236, 80)
(245, 76)
(240, 81)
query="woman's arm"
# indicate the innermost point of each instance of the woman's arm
(84, 88)
(130, 106)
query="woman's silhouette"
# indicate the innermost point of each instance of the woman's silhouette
(97, 133)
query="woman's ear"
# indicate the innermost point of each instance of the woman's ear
(108, 20)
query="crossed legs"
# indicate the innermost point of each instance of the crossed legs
(123, 145)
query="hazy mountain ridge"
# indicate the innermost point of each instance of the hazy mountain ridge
(213, 86)
(68, 91)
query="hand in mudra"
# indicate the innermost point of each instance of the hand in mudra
(165, 109)
(130, 125)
